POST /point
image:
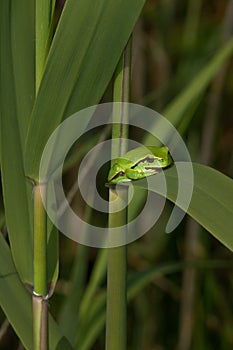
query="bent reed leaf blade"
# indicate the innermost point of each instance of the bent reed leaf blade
(211, 202)
(85, 50)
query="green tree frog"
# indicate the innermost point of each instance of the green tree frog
(139, 163)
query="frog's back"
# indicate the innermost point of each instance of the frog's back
(138, 153)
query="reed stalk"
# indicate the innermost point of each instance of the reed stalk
(40, 299)
(116, 323)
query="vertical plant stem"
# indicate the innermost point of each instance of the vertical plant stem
(40, 307)
(116, 324)
(116, 292)
(40, 239)
(44, 10)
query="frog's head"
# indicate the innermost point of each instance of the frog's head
(163, 158)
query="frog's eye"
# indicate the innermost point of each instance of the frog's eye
(150, 159)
